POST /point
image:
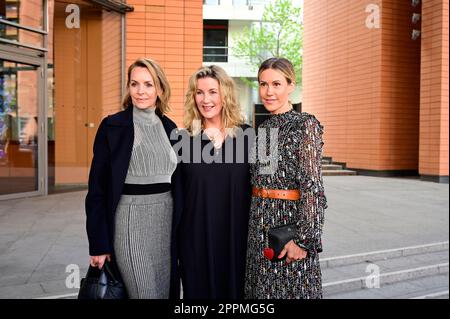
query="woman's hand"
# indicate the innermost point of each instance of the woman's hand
(293, 252)
(98, 261)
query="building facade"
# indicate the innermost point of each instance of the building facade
(376, 75)
(222, 21)
(378, 85)
(62, 69)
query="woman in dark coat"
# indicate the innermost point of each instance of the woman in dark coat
(291, 193)
(216, 189)
(132, 205)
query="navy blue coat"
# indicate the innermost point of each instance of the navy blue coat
(112, 152)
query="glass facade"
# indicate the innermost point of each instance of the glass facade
(215, 41)
(18, 127)
(50, 108)
(29, 14)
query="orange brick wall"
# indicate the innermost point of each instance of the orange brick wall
(434, 149)
(363, 84)
(111, 59)
(171, 32)
(400, 88)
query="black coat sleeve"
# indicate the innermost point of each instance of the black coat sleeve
(97, 199)
(177, 193)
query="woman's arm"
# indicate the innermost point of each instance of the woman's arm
(97, 197)
(313, 202)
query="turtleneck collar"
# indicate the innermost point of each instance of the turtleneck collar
(147, 115)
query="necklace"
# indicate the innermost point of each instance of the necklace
(216, 136)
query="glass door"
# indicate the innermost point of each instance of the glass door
(20, 134)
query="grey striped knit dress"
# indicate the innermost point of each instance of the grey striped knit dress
(143, 222)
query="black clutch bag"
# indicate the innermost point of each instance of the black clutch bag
(276, 238)
(102, 283)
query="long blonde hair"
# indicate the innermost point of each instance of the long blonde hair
(161, 83)
(231, 110)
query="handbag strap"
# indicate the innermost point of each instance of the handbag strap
(108, 267)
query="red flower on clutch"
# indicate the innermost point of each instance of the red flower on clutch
(269, 253)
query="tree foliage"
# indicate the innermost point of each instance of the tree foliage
(278, 34)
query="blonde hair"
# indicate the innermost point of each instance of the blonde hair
(161, 83)
(284, 66)
(231, 110)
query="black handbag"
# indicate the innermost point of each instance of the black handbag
(102, 283)
(276, 238)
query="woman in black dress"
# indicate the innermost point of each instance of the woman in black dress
(216, 188)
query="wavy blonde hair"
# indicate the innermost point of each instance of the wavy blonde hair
(161, 83)
(231, 110)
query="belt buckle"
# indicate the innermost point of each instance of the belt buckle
(264, 193)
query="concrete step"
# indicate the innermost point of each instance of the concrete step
(338, 172)
(328, 167)
(434, 295)
(383, 254)
(332, 169)
(431, 287)
(365, 282)
(355, 275)
(407, 272)
(73, 295)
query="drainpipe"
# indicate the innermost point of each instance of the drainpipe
(122, 57)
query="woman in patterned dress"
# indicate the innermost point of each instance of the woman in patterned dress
(291, 192)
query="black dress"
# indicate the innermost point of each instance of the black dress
(213, 229)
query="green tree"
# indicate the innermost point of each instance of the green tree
(278, 34)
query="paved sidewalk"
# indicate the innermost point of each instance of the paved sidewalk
(41, 236)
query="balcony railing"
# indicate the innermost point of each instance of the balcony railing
(235, 2)
(211, 2)
(248, 2)
(215, 54)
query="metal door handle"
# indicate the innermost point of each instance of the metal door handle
(89, 125)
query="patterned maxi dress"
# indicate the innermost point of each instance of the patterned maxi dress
(298, 166)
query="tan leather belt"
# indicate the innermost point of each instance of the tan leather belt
(291, 194)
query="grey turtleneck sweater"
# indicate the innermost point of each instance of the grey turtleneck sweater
(152, 160)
